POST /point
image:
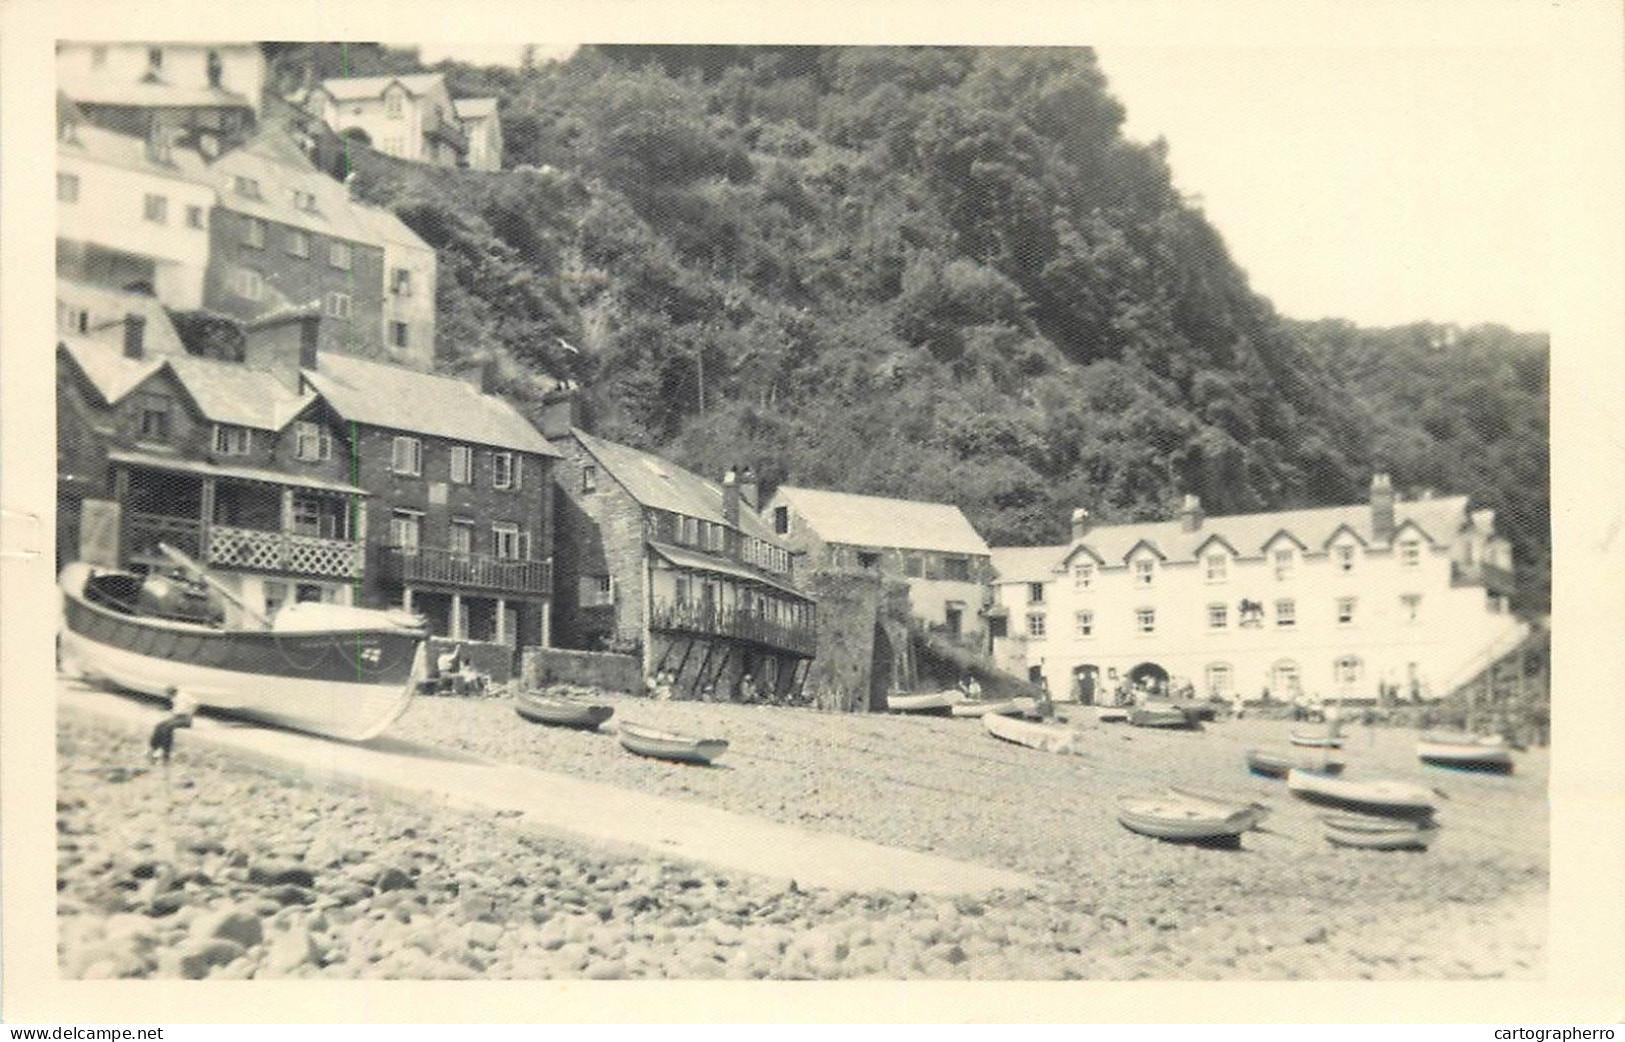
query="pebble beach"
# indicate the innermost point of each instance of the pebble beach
(215, 868)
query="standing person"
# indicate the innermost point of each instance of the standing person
(973, 687)
(162, 742)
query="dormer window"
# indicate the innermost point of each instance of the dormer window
(393, 105)
(303, 200)
(247, 187)
(1218, 567)
(231, 440)
(1285, 561)
(1083, 575)
(1145, 571)
(1344, 556)
(1410, 554)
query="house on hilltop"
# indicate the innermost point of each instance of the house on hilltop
(411, 117)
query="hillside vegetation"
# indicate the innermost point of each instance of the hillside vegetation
(938, 273)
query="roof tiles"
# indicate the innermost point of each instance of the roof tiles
(903, 524)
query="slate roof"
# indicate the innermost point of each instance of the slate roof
(273, 159)
(354, 88)
(130, 152)
(93, 91)
(230, 392)
(382, 395)
(662, 485)
(104, 365)
(1439, 519)
(902, 524)
(704, 562)
(108, 306)
(1027, 564)
(224, 470)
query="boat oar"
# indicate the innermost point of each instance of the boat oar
(214, 584)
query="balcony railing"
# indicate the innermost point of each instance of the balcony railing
(451, 568)
(1493, 578)
(284, 552)
(736, 623)
(248, 548)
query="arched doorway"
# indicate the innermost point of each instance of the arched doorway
(1148, 678)
(1085, 684)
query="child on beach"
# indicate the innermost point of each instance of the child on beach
(162, 742)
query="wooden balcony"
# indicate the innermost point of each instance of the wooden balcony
(434, 567)
(734, 623)
(250, 549)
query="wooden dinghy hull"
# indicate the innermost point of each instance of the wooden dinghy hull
(1372, 833)
(1316, 741)
(1384, 798)
(1176, 818)
(348, 683)
(558, 712)
(1223, 798)
(1111, 714)
(1002, 707)
(1266, 764)
(1168, 719)
(1476, 756)
(1049, 738)
(667, 745)
(936, 703)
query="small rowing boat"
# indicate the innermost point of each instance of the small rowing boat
(1466, 752)
(668, 745)
(934, 703)
(1180, 819)
(1050, 738)
(1385, 798)
(560, 712)
(1223, 798)
(1373, 833)
(1144, 716)
(1268, 764)
(982, 707)
(1316, 741)
(1111, 714)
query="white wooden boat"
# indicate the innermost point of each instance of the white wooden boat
(933, 703)
(1475, 756)
(1181, 819)
(668, 745)
(1223, 798)
(982, 707)
(1374, 833)
(1269, 764)
(1111, 714)
(1316, 741)
(1050, 738)
(327, 669)
(1384, 798)
(560, 712)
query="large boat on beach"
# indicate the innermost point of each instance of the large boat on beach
(1467, 752)
(327, 669)
(1384, 798)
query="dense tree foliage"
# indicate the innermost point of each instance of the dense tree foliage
(926, 272)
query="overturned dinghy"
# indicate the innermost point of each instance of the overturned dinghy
(562, 712)
(1179, 818)
(1268, 764)
(1111, 714)
(668, 745)
(1466, 752)
(1385, 798)
(1050, 738)
(1373, 833)
(1168, 718)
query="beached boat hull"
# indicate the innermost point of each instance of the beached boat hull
(1003, 707)
(1049, 738)
(664, 745)
(1165, 718)
(1274, 765)
(553, 712)
(1181, 819)
(349, 684)
(1221, 798)
(1472, 756)
(936, 703)
(1369, 833)
(1316, 741)
(1111, 714)
(1387, 799)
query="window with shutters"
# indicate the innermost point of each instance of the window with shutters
(503, 471)
(505, 540)
(312, 441)
(231, 440)
(406, 530)
(462, 465)
(406, 456)
(338, 305)
(298, 242)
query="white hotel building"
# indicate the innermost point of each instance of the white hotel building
(1400, 598)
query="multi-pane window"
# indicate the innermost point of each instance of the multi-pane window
(1345, 558)
(312, 441)
(1035, 593)
(406, 456)
(254, 232)
(338, 305)
(1035, 625)
(1145, 571)
(589, 479)
(339, 255)
(1218, 568)
(231, 440)
(247, 187)
(70, 318)
(1411, 606)
(1345, 611)
(781, 520)
(248, 283)
(155, 417)
(298, 242)
(406, 529)
(1083, 575)
(504, 470)
(462, 465)
(1145, 620)
(400, 282)
(1286, 614)
(460, 536)
(1284, 560)
(1086, 623)
(688, 531)
(156, 209)
(398, 334)
(505, 540)
(316, 517)
(1218, 679)
(1410, 554)
(956, 569)
(67, 188)
(1218, 616)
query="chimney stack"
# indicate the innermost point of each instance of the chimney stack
(1190, 514)
(135, 336)
(561, 413)
(1382, 507)
(283, 343)
(749, 489)
(730, 497)
(1080, 525)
